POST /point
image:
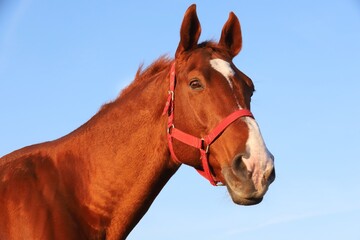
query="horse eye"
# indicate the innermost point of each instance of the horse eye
(195, 84)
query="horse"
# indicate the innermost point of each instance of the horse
(99, 180)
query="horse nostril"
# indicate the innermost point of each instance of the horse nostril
(240, 169)
(249, 174)
(271, 176)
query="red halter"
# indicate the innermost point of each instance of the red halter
(203, 144)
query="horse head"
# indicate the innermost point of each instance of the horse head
(209, 88)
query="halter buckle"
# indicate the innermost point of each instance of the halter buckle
(169, 128)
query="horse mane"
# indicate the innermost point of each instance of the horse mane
(143, 76)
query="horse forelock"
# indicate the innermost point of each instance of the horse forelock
(214, 46)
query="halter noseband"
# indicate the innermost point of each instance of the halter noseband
(203, 144)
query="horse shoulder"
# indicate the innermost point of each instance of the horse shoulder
(33, 205)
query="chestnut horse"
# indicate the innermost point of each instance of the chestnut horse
(98, 181)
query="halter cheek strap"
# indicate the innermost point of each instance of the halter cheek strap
(203, 144)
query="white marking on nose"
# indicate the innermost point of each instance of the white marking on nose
(258, 159)
(225, 69)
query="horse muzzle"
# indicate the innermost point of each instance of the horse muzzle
(247, 186)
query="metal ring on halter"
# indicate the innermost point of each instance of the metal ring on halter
(203, 145)
(169, 128)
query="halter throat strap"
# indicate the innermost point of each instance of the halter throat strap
(203, 144)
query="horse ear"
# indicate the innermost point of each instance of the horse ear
(190, 31)
(231, 37)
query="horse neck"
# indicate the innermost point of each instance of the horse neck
(123, 151)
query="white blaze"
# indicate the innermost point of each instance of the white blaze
(225, 69)
(258, 158)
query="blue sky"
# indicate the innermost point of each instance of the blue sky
(61, 60)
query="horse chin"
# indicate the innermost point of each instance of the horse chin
(244, 201)
(241, 188)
